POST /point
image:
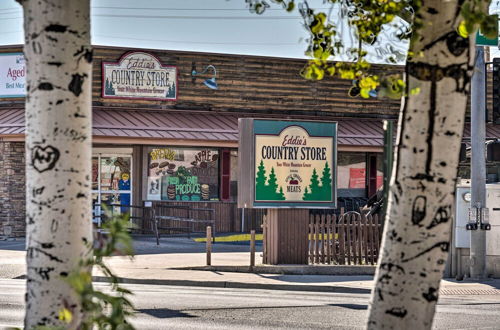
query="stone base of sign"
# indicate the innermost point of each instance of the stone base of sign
(286, 236)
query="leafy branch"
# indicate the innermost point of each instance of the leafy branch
(102, 310)
(366, 19)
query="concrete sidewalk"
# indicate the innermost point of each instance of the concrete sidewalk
(178, 261)
(161, 269)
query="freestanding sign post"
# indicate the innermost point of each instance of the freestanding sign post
(287, 167)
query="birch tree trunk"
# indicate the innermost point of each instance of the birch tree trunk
(417, 233)
(58, 154)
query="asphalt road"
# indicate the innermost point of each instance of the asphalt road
(175, 307)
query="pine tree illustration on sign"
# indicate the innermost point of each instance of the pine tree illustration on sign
(326, 182)
(109, 88)
(260, 182)
(269, 191)
(319, 192)
(171, 91)
(282, 194)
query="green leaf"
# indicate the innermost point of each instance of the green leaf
(365, 93)
(65, 315)
(331, 70)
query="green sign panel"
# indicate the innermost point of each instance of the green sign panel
(481, 40)
(293, 164)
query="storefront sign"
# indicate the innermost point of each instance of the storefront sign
(183, 174)
(139, 75)
(12, 75)
(291, 164)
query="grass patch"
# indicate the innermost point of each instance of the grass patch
(231, 238)
(258, 237)
(320, 237)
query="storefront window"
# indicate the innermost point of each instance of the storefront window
(351, 176)
(115, 173)
(111, 183)
(234, 175)
(183, 174)
(380, 170)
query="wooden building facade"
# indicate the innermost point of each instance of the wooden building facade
(183, 147)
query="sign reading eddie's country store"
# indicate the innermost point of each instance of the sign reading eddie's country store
(139, 75)
(293, 164)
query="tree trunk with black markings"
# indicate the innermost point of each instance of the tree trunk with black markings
(417, 233)
(58, 154)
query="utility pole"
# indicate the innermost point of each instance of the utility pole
(388, 161)
(478, 170)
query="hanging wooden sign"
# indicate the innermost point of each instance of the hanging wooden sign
(139, 75)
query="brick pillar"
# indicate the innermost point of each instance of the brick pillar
(12, 188)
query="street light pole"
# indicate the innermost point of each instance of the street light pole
(478, 167)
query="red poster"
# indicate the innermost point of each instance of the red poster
(380, 181)
(357, 178)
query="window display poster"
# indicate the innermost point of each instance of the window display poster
(154, 188)
(185, 174)
(357, 178)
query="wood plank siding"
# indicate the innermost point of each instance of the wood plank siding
(247, 84)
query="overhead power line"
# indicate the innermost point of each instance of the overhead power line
(204, 42)
(191, 9)
(187, 17)
(200, 17)
(10, 9)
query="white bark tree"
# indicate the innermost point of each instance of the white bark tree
(58, 154)
(416, 237)
(417, 229)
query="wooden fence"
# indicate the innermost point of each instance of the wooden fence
(227, 215)
(349, 239)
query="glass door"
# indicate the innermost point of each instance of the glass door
(111, 184)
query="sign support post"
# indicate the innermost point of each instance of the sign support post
(287, 236)
(287, 167)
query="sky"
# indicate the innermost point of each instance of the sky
(216, 26)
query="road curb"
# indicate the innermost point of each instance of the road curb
(238, 285)
(289, 269)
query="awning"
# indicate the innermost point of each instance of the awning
(492, 131)
(11, 122)
(188, 126)
(157, 125)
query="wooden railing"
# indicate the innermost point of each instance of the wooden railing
(187, 219)
(227, 216)
(349, 239)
